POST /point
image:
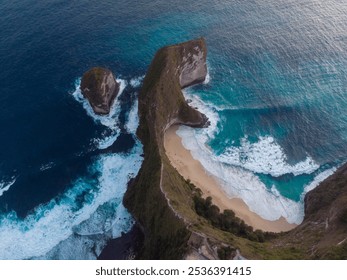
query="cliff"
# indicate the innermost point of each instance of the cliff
(99, 86)
(166, 206)
(155, 196)
(323, 233)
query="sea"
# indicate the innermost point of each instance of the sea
(276, 97)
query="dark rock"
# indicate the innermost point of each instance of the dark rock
(99, 86)
(125, 247)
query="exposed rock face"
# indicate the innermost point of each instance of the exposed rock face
(99, 86)
(193, 69)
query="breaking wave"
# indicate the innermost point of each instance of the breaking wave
(78, 223)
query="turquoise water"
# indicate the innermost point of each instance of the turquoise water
(276, 100)
(278, 93)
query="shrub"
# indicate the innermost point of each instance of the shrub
(226, 221)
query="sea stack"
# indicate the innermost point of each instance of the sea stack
(99, 86)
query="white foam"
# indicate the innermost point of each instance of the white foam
(110, 120)
(5, 186)
(209, 110)
(76, 247)
(55, 222)
(265, 156)
(318, 179)
(136, 82)
(106, 142)
(208, 76)
(133, 119)
(238, 182)
(46, 166)
(235, 168)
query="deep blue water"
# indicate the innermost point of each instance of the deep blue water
(277, 96)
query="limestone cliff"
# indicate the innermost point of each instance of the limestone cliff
(99, 86)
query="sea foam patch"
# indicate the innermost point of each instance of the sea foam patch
(265, 156)
(235, 169)
(47, 166)
(133, 118)
(318, 179)
(208, 76)
(136, 82)
(6, 185)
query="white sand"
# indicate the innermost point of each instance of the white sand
(192, 169)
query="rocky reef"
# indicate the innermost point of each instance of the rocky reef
(100, 88)
(164, 204)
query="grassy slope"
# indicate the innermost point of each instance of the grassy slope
(324, 229)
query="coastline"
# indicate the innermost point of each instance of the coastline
(192, 169)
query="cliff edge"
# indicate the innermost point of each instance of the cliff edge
(157, 193)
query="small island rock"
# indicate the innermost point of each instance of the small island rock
(100, 87)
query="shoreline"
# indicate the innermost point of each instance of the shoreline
(192, 169)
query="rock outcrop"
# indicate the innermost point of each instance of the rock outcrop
(99, 86)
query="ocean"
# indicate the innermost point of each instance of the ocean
(275, 96)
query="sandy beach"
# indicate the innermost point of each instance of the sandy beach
(192, 169)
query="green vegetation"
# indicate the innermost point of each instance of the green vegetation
(338, 252)
(225, 253)
(227, 221)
